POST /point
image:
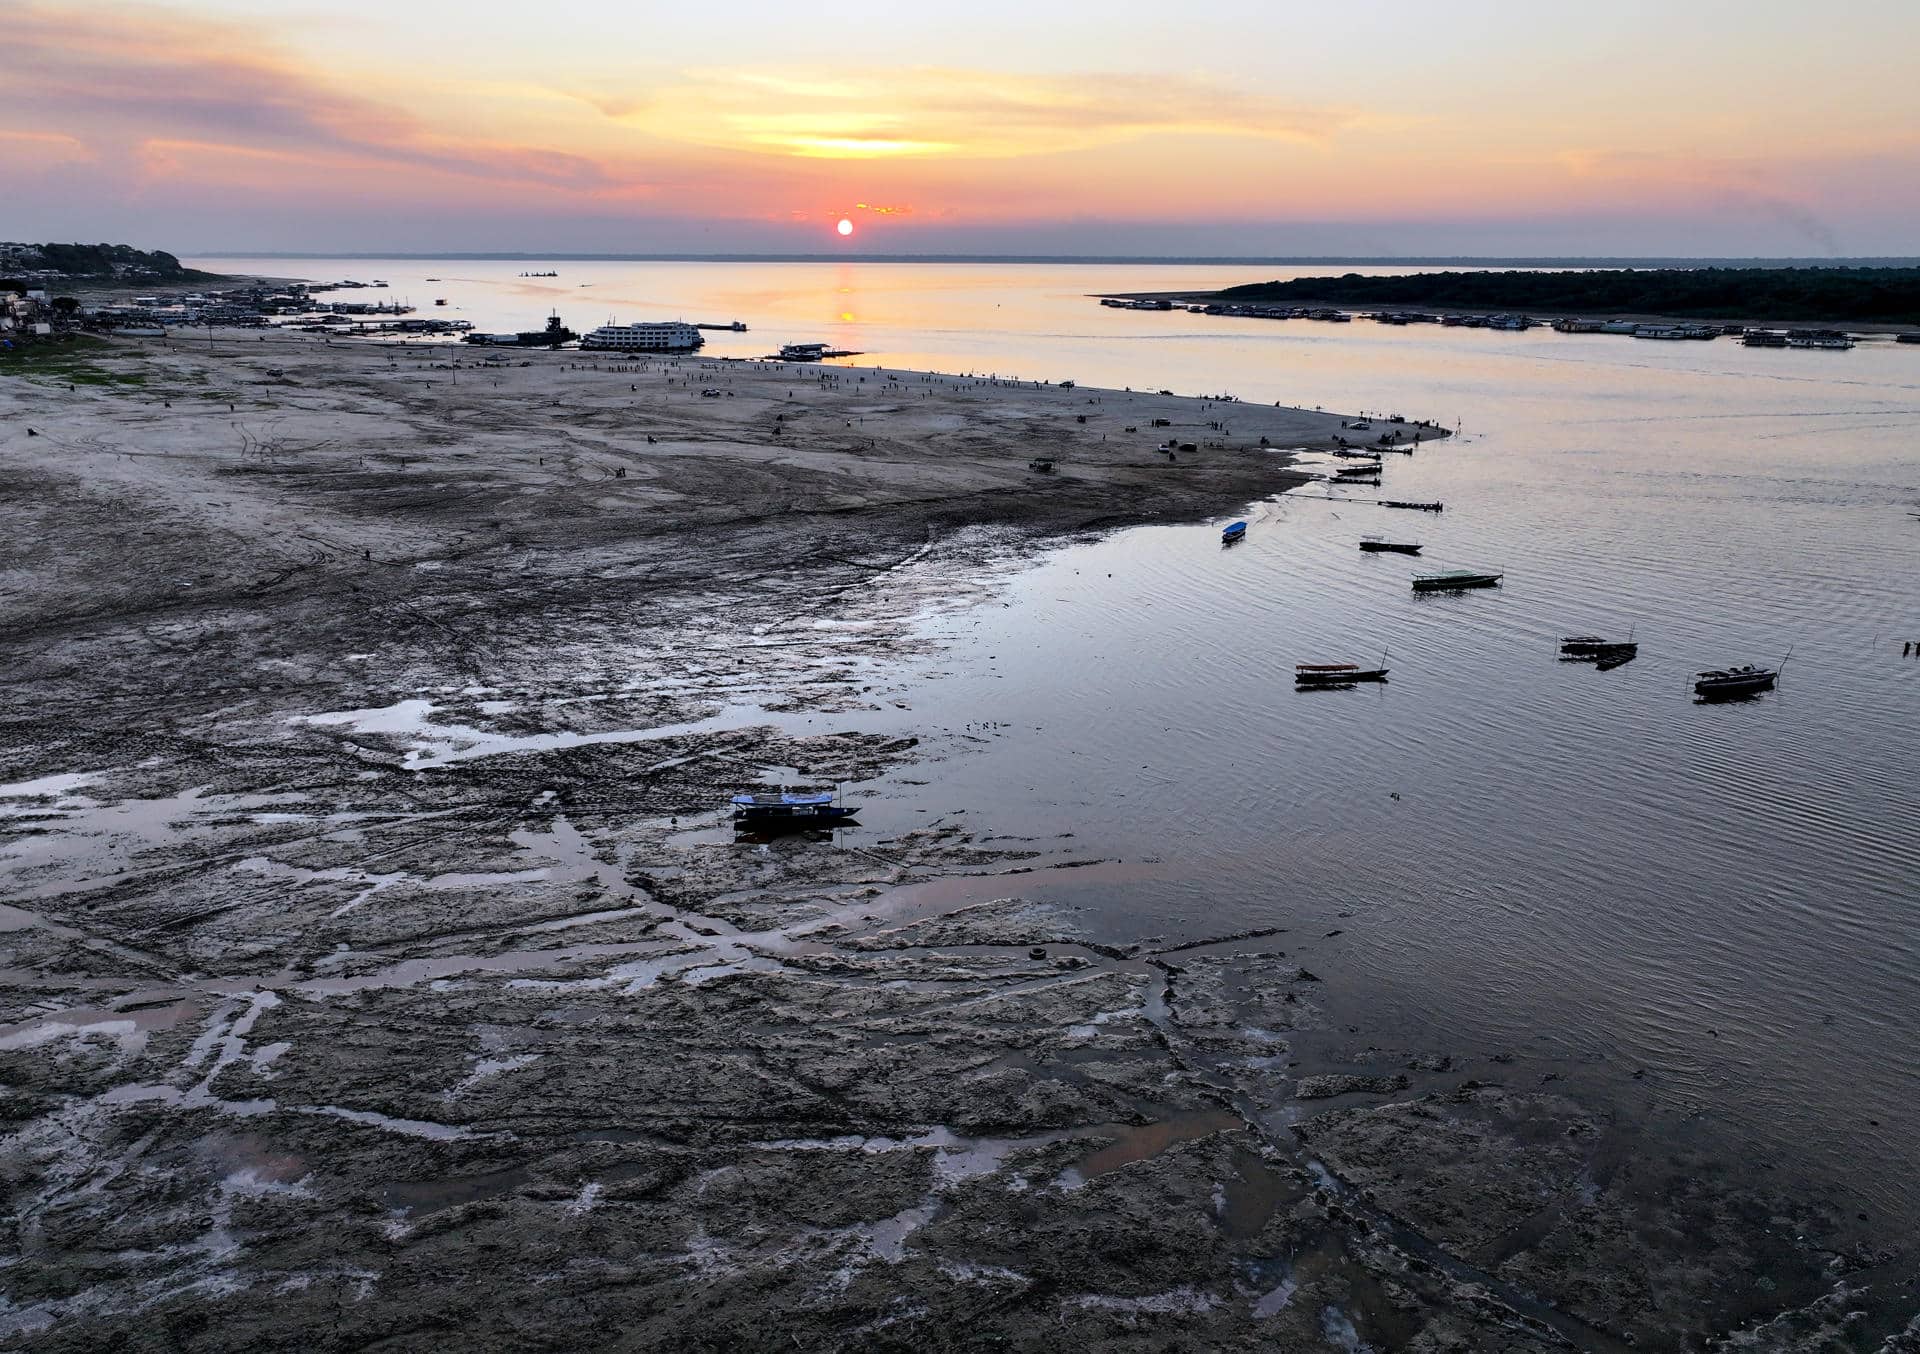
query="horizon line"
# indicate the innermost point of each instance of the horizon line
(1242, 261)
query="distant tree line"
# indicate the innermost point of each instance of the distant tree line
(1879, 295)
(102, 261)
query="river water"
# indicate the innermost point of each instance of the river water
(1711, 909)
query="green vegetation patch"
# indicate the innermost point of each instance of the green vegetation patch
(1838, 295)
(66, 359)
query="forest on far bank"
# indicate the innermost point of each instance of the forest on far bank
(1838, 295)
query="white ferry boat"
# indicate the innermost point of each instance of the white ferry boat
(649, 336)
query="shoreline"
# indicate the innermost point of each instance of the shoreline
(1850, 326)
(371, 920)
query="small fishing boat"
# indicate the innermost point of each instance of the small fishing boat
(1373, 545)
(1455, 580)
(1728, 683)
(1326, 674)
(789, 807)
(1234, 531)
(1418, 507)
(1604, 654)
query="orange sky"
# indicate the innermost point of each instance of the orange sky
(1223, 128)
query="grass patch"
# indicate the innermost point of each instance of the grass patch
(66, 359)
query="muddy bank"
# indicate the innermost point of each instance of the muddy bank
(379, 971)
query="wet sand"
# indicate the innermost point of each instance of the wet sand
(378, 972)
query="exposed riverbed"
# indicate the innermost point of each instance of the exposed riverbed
(378, 965)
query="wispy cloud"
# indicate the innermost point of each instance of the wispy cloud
(117, 79)
(942, 111)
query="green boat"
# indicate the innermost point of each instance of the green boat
(1455, 580)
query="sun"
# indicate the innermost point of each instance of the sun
(845, 227)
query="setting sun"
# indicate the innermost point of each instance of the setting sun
(845, 227)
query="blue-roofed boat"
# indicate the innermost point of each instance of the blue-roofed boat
(1235, 531)
(789, 807)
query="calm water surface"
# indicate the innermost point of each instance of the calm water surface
(1522, 854)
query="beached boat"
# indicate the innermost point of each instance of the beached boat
(789, 807)
(1365, 468)
(1455, 580)
(1335, 674)
(1373, 545)
(1727, 683)
(1233, 531)
(1417, 507)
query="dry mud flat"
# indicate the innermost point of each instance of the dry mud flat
(376, 976)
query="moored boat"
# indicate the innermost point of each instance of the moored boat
(789, 807)
(1723, 683)
(1417, 507)
(1335, 674)
(1373, 545)
(1455, 580)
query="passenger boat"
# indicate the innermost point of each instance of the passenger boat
(789, 807)
(1234, 531)
(1373, 545)
(1583, 646)
(1722, 683)
(1335, 674)
(1455, 580)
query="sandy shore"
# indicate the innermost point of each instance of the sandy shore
(379, 973)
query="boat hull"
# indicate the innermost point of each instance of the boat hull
(1726, 691)
(766, 814)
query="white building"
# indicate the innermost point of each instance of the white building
(660, 336)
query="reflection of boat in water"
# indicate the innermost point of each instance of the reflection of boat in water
(788, 808)
(1731, 683)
